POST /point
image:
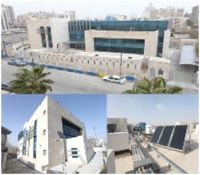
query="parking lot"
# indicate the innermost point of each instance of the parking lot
(70, 82)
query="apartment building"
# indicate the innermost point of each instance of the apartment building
(7, 17)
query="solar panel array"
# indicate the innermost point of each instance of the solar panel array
(170, 136)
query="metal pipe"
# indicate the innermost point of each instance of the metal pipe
(169, 161)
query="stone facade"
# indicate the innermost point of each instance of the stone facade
(101, 62)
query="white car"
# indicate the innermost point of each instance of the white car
(114, 79)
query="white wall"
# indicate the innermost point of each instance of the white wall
(59, 31)
(118, 141)
(120, 122)
(85, 151)
(166, 42)
(110, 161)
(42, 140)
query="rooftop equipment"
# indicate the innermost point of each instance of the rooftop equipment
(170, 136)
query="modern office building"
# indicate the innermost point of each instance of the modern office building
(7, 17)
(117, 134)
(53, 139)
(49, 33)
(150, 38)
(101, 46)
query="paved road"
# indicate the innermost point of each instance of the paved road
(69, 82)
(13, 166)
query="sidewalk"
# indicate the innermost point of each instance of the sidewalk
(13, 166)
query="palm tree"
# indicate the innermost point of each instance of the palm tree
(31, 81)
(155, 86)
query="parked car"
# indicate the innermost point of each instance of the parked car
(12, 61)
(17, 62)
(114, 79)
(21, 63)
(5, 86)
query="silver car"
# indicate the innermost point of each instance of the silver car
(114, 79)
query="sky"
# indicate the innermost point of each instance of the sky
(154, 109)
(96, 8)
(90, 109)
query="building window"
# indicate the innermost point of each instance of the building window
(43, 36)
(106, 63)
(70, 129)
(88, 61)
(135, 66)
(34, 139)
(113, 64)
(44, 132)
(24, 142)
(94, 62)
(44, 112)
(160, 72)
(44, 152)
(74, 152)
(49, 37)
(100, 63)
(127, 65)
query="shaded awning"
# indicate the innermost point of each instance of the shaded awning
(188, 55)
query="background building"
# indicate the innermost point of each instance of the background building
(194, 17)
(70, 15)
(154, 13)
(23, 18)
(116, 17)
(7, 17)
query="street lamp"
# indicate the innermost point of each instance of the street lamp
(121, 50)
(4, 50)
(22, 40)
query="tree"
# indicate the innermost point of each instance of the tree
(197, 49)
(155, 86)
(31, 81)
(194, 33)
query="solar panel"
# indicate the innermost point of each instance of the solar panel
(156, 134)
(178, 138)
(166, 135)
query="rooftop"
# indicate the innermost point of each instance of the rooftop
(188, 55)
